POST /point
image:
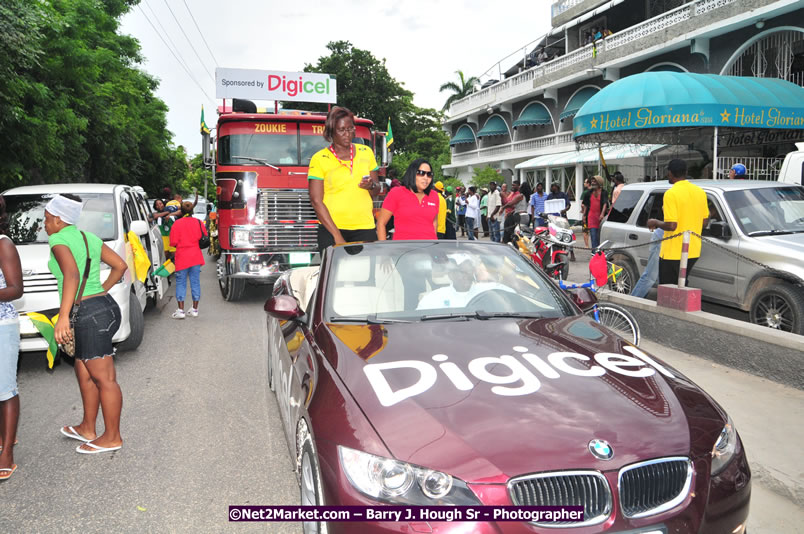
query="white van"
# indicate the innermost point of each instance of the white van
(110, 212)
(793, 167)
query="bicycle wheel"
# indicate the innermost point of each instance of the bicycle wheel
(617, 319)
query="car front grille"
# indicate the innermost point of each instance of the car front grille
(654, 486)
(39, 283)
(284, 205)
(565, 488)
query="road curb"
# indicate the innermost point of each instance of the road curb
(761, 351)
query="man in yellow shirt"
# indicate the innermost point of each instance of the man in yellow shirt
(685, 209)
(342, 181)
(441, 230)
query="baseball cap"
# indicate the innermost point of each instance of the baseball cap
(439, 186)
(449, 189)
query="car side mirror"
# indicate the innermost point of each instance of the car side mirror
(140, 228)
(283, 307)
(583, 297)
(719, 230)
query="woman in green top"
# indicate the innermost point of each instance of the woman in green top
(97, 320)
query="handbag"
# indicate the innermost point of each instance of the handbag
(204, 241)
(69, 347)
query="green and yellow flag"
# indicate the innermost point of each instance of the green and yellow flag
(166, 269)
(47, 329)
(389, 138)
(204, 127)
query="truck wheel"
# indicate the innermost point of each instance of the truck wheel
(779, 306)
(232, 288)
(137, 323)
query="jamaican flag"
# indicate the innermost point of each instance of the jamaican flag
(166, 269)
(47, 329)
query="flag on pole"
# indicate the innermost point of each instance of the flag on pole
(47, 329)
(389, 138)
(603, 163)
(204, 127)
(166, 269)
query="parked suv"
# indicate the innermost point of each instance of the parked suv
(110, 212)
(763, 221)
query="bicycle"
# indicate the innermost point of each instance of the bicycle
(612, 316)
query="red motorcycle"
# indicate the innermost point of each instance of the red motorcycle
(547, 246)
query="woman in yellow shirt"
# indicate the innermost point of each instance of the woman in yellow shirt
(342, 181)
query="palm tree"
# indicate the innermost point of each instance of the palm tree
(459, 90)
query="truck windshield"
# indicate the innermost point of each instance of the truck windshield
(26, 217)
(768, 211)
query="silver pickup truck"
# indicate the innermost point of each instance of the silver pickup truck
(763, 221)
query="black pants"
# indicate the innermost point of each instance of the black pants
(484, 222)
(325, 239)
(508, 226)
(450, 230)
(462, 224)
(668, 270)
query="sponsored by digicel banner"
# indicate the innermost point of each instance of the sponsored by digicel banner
(275, 85)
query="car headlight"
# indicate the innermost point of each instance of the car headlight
(240, 237)
(395, 482)
(725, 448)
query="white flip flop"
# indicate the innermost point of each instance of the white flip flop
(73, 434)
(98, 449)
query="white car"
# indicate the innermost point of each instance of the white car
(110, 212)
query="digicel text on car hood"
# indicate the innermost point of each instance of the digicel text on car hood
(488, 400)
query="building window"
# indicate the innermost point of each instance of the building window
(775, 55)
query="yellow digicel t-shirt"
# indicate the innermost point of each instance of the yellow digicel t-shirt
(684, 204)
(350, 206)
(442, 214)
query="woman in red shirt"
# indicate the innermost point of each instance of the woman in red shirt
(414, 206)
(184, 235)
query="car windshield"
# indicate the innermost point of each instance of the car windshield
(417, 281)
(26, 217)
(768, 211)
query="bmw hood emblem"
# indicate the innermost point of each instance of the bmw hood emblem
(601, 449)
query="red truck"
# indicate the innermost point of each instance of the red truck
(266, 223)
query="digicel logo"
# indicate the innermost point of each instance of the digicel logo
(295, 87)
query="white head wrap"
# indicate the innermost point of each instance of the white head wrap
(68, 210)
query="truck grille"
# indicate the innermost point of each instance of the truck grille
(39, 283)
(651, 487)
(285, 237)
(567, 488)
(284, 205)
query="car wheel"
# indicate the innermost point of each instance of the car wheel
(627, 278)
(779, 306)
(310, 486)
(137, 323)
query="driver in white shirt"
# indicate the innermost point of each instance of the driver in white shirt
(463, 289)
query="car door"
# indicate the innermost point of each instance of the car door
(128, 210)
(652, 208)
(715, 272)
(155, 246)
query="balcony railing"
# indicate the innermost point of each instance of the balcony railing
(515, 147)
(513, 86)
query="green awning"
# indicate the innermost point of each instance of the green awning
(494, 126)
(464, 135)
(534, 114)
(577, 101)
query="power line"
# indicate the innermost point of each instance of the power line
(167, 34)
(174, 55)
(200, 33)
(189, 42)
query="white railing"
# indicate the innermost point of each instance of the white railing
(758, 168)
(563, 5)
(527, 145)
(626, 36)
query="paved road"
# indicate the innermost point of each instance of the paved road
(201, 432)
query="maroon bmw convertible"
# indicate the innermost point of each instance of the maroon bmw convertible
(456, 373)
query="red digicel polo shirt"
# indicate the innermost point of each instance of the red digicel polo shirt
(412, 219)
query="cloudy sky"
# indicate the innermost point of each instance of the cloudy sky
(423, 42)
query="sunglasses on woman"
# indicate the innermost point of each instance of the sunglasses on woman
(420, 172)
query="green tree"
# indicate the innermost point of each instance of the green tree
(197, 177)
(73, 104)
(482, 177)
(463, 88)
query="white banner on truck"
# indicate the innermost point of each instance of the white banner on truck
(275, 85)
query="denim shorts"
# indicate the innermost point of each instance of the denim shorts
(9, 352)
(97, 322)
